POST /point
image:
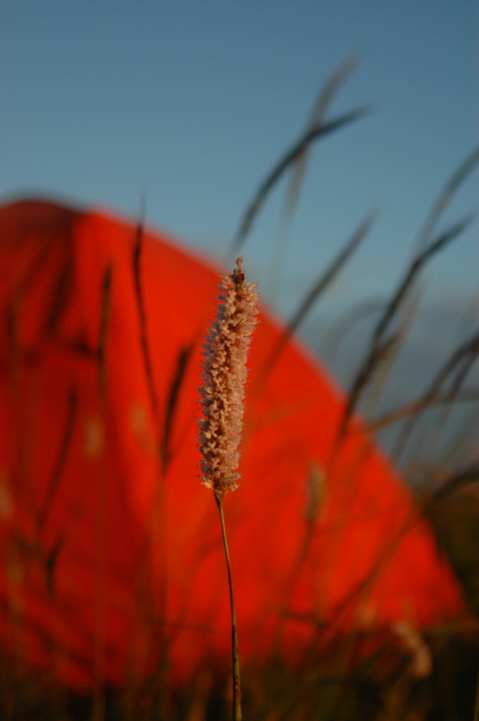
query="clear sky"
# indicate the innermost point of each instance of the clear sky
(189, 103)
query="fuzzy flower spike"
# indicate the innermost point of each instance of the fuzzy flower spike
(224, 374)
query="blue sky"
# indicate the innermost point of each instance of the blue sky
(190, 103)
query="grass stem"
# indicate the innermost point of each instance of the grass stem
(237, 713)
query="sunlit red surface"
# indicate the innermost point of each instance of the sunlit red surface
(112, 557)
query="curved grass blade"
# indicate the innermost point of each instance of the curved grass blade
(166, 451)
(445, 197)
(300, 146)
(299, 165)
(316, 291)
(105, 312)
(140, 301)
(436, 245)
(60, 461)
(379, 344)
(326, 96)
(466, 395)
(336, 334)
(454, 483)
(461, 356)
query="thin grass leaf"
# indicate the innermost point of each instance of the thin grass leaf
(456, 482)
(145, 350)
(457, 384)
(58, 301)
(375, 356)
(298, 169)
(466, 395)
(105, 310)
(326, 96)
(335, 336)
(165, 451)
(470, 348)
(414, 269)
(379, 345)
(303, 143)
(445, 197)
(379, 380)
(51, 562)
(317, 290)
(60, 461)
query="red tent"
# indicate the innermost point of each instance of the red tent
(112, 553)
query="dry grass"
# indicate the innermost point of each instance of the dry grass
(327, 685)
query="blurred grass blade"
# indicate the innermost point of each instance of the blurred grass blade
(454, 483)
(176, 384)
(416, 266)
(379, 344)
(334, 337)
(409, 312)
(60, 461)
(303, 143)
(316, 291)
(332, 87)
(461, 355)
(445, 197)
(466, 395)
(457, 384)
(140, 301)
(105, 312)
(299, 165)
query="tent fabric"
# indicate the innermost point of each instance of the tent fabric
(112, 555)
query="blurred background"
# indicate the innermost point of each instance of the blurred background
(175, 112)
(182, 108)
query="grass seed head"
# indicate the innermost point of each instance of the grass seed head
(224, 375)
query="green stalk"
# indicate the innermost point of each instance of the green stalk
(237, 713)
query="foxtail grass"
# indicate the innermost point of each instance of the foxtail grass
(222, 399)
